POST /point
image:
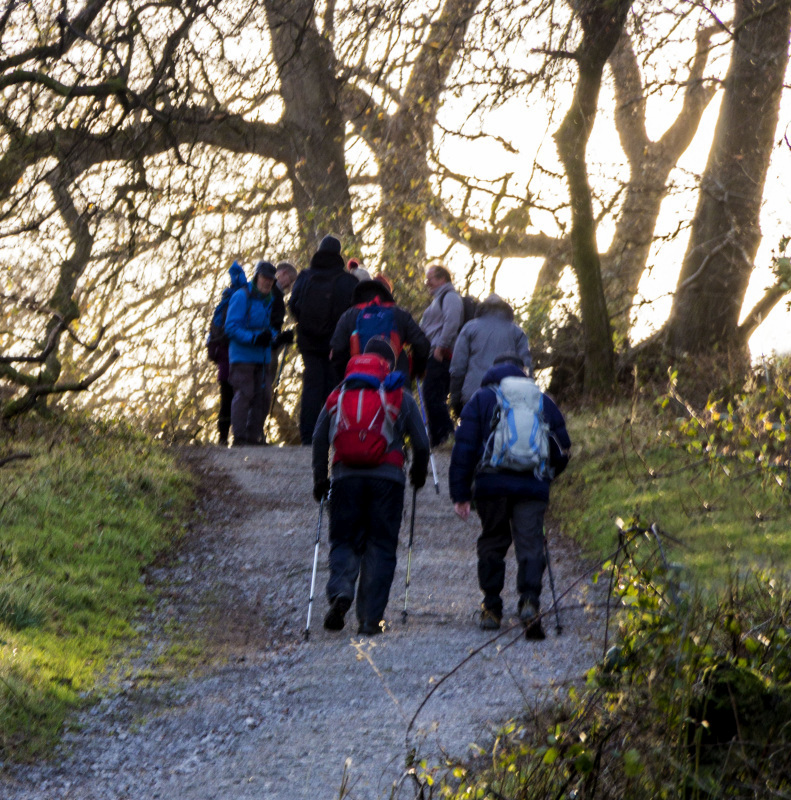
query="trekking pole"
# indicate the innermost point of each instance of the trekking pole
(558, 626)
(315, 564)
(425, 425)
(409, 556)
(276, 384)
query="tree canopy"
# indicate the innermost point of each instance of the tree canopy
(146, 147)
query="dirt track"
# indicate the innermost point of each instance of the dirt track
(271, 716)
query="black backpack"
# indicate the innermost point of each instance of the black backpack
(470, 305)
(318, 314)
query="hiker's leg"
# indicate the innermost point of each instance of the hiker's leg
(313, 397)
(492, 547)
(241, 377)
(385, 505)
(527, 526)
(224, 414)
(255, 415)
(436, 386)
(346, 537)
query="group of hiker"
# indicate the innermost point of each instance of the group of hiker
(363, 358)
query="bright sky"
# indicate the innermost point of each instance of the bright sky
(528, 129)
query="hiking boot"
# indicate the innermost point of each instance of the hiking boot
(490, 619)
(334, 620)
(528, 614)
(239, 441)
(369, 629)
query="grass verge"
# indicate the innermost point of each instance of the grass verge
(717, 484)
(81, 517)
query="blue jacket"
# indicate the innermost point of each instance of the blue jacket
(471, 436)
(249, 313)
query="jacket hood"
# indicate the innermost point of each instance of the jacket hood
(238, 278)
(499, 371)
(322, 259)
(495, 305)
(365, 291)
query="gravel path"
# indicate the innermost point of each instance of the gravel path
(267, 715)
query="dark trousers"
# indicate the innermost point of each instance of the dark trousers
(503, 520)
(319, 378)
(247, 407)
(436, 386)
(224, 415)
(365, 517)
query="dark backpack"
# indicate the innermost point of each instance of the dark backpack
(318, 315)
(375, 319)
(217, 340)
(363, 412)
(470, 305)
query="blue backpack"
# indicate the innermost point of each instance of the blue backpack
(218, 338)
(375, 319)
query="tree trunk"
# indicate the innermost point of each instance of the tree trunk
(725, 231)
(602, 23)
(314, 121)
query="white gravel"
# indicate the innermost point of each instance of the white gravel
(268, 715)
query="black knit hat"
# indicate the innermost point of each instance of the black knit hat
(382, 347)
(329, 244)
(265, 268)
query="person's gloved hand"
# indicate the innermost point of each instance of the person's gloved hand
(284, 337)
(417, 476)
(321, 488)
(263, 339)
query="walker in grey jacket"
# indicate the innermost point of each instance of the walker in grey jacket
(492, 333)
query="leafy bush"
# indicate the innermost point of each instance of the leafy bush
(693, 700)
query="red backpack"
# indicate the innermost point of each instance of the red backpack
(363, 414)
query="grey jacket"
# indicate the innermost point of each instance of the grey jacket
(442, 319)
(490, 334)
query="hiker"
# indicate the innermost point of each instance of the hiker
(217, 346)
(367, 497)
(510, 485)
(249, 328)
(441, 323)
(374, 313)
(480, 341)
(320, 295)
(285, 275)
(355, 266)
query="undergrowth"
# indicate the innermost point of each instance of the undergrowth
(693, 700)
(82, 513)
(718, 479)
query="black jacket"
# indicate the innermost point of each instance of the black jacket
(328, 269)
(408, 331)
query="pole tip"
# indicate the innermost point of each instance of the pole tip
(306, 635)
(403, 617)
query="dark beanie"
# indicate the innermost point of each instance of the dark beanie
(329, 244)
(265, 268)
(381, 347)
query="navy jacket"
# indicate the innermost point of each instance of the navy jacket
(471, 436)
